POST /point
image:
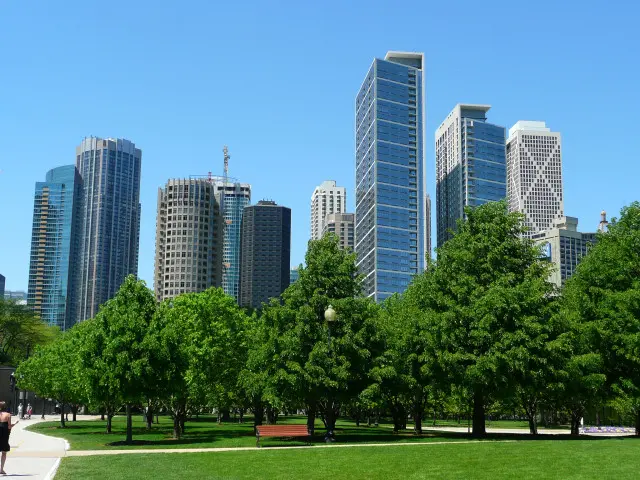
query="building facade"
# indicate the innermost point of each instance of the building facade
(327, 199)
(564, 246)
(470, 165)
(343, 225)
(294, 275)
(2, 280)
(189, 237)
(534, 175)
(54, 247)
(17, 296)
(266, 253)
(109, 230)
(232, 197)
(390, 230)
(427, 225)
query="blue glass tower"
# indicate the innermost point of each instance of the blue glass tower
(390, 177)
(470, 165)
(53, 246)
(237, 196)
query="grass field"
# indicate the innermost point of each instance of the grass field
(544, 459)
(205, 432)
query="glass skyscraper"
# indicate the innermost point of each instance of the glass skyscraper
(470, 165)
(109, 229)
(236, 197)
(390, 177)
(53, 246)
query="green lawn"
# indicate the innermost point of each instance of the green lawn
(561, 459)
(205, 432)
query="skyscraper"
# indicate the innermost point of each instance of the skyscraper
(470, 165)
(427, 224)
(236, 197)
(327, 198)
(266, 253)
(53, 246)
(2, 287)
(109, 230)
(343, 225)
(188, 238)
(390, 175)
(534, 174)
(294, 275)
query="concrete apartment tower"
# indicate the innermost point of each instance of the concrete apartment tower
(54, 239)
(265, 254)
(390, 174)
(189, 238)
(109, 230)
(327, 198)
(534, 175)
(470, 165)
(343, 225)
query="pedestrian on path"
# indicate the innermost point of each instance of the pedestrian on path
(5, 430)
(20, 408)
(29, 411)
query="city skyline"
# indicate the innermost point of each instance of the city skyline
(181, 121)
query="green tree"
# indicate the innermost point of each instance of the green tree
(121, 357)
(197, 343)
(486, 298)
(604, 297)
(317, 365)
(21, 332)
(55, 371)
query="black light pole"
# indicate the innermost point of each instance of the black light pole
(12, 387)
(330, 317)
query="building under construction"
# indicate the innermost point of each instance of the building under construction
(198, 234)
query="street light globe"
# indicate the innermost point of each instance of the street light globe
(330, 314)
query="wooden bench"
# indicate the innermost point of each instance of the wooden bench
(281, 431)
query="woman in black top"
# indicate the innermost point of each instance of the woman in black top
(5, 430)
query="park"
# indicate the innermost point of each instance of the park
(481, 369)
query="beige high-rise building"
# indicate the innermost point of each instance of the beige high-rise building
(534, 175)
(327, 198)
(343, 225)
(189, 238)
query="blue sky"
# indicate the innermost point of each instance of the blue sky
(276, 82)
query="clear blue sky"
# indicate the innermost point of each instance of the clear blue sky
(276, 82)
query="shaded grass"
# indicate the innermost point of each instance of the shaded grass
(610, 458)
(205, 432)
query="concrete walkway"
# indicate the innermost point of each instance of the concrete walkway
(32, 454)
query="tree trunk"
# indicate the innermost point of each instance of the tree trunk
(417, 418)
(241, 416)
(149, 416)
(129, 439)
(479, 428)
(533, 424)
(176, 427)
(109, 418)
(102, 416)
(62, 424)
(258, 414)
(74, 412)
(226, 415)
(44, 402)
(311, 418)
(330, 421)
(182, 429)
(638, 423)
(271, 415)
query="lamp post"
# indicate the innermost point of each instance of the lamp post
(330, 317)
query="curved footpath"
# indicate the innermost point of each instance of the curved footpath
(38, 456)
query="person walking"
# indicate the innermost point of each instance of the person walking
(29, 411)
(20, 408)
(5, 430)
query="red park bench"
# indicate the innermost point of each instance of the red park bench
(281, 431)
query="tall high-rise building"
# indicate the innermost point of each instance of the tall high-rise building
(188, 238)
(343, 225)
(2, 280)
(534, 175)
(427, 224)
(236, 197)
(266, 253)
(294, 275)
(327, 198)
(109, 230)
(470, 165)
(390, 174)
(53, 247)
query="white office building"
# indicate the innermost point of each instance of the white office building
(534, 175)
(327, 198)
